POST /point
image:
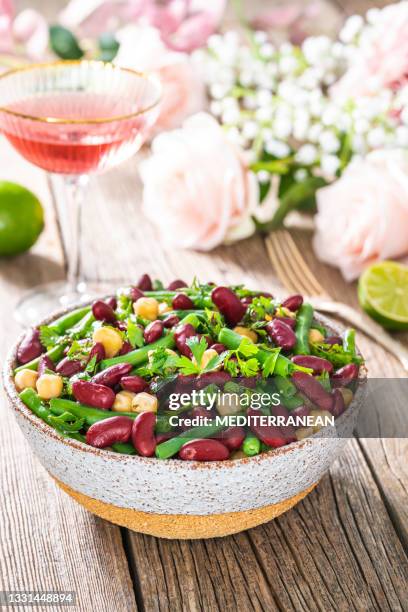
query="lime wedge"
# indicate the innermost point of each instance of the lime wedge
(383, 294)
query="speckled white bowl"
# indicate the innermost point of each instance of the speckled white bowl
(181, 499)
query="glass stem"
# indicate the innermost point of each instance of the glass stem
(75, 187)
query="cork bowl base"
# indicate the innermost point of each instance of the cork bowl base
(184, 526)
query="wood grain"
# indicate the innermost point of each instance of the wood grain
(47, 541)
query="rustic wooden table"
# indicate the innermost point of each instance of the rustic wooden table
(342, 548)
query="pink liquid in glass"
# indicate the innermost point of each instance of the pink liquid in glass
(76, 148)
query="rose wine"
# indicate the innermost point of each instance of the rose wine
(72, 142)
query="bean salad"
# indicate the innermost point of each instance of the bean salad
(107, 374)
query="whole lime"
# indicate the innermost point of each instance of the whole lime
(21, 218)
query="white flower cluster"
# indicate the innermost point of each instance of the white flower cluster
(275, 102)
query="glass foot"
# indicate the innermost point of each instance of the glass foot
(51, 297)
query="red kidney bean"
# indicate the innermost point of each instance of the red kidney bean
(103, 312)
(338, 406)
(143, 437)
(287, 320)
(345, 375)
(171, 321)
(268, 434)
(198, 411)
(182, 333)
(218, 347)
(232, 437)
(112, 375)
(247, 381)
(176, 284)
(265, 294)
(164, 437)
(120, 325)
(333, 340)
(45, 363)
(126, 348)
(109, 431)
(153, 331)
(69, 367)
(92, 394)
(145, 283)
(213, 378)
(313, 390)
(181, 301)
(293, 302)
(112, 302)
(30, 347)
(288, 431)
(135, 293)
(134, 383)
(98, 351)
(300, 411)
(317, 364)
(228, 304)
(204, 450)
(281, 334)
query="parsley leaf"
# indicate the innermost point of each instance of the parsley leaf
(134, 334)
(49, 336)
(198, 347)
(249, 367)
(215, 362)
(247, 348)
(186, 366)
(270, 362)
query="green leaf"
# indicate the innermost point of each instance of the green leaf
(186, 366)
(198, 347)
(269, 363)
(64, 43)
(215, 362)
(135, 334)
(247, 348)
(109, 47)
(250, 367)
(48, 336)
(91, 367)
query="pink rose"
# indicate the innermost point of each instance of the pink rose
(197, 189)
(381, 58)
(141, 48)
(363, 216)
(6, 23)
(30, 29)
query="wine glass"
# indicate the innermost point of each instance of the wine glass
(73, 119)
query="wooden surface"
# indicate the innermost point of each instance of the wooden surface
(342, 548)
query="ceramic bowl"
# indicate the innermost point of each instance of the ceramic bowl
(181, 499)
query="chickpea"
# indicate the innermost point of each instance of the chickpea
(147, 308)
(206, 358)
(25, 378)
(123, 401)
(144, 402)
(163, 308)
(288, 313)
(324, 414)
(229, 404)
(246, 333)
(347, 395)
(304, 432)
(315, 336)
(110, 338)
(49, 386)
(268, 317)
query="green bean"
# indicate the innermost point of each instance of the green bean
(66, 422)
(141, 355)
(283, 366)
(163, 424)
(303, 324)
(182, 314)
(64, 323)
(292, 402)
(125, 448)
(284, 386)
(251, 445)
(90, 415)
(171, 447)
(349, 341)
(83, 326)
(54, 354)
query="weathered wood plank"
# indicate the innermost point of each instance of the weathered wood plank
(47, 541)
